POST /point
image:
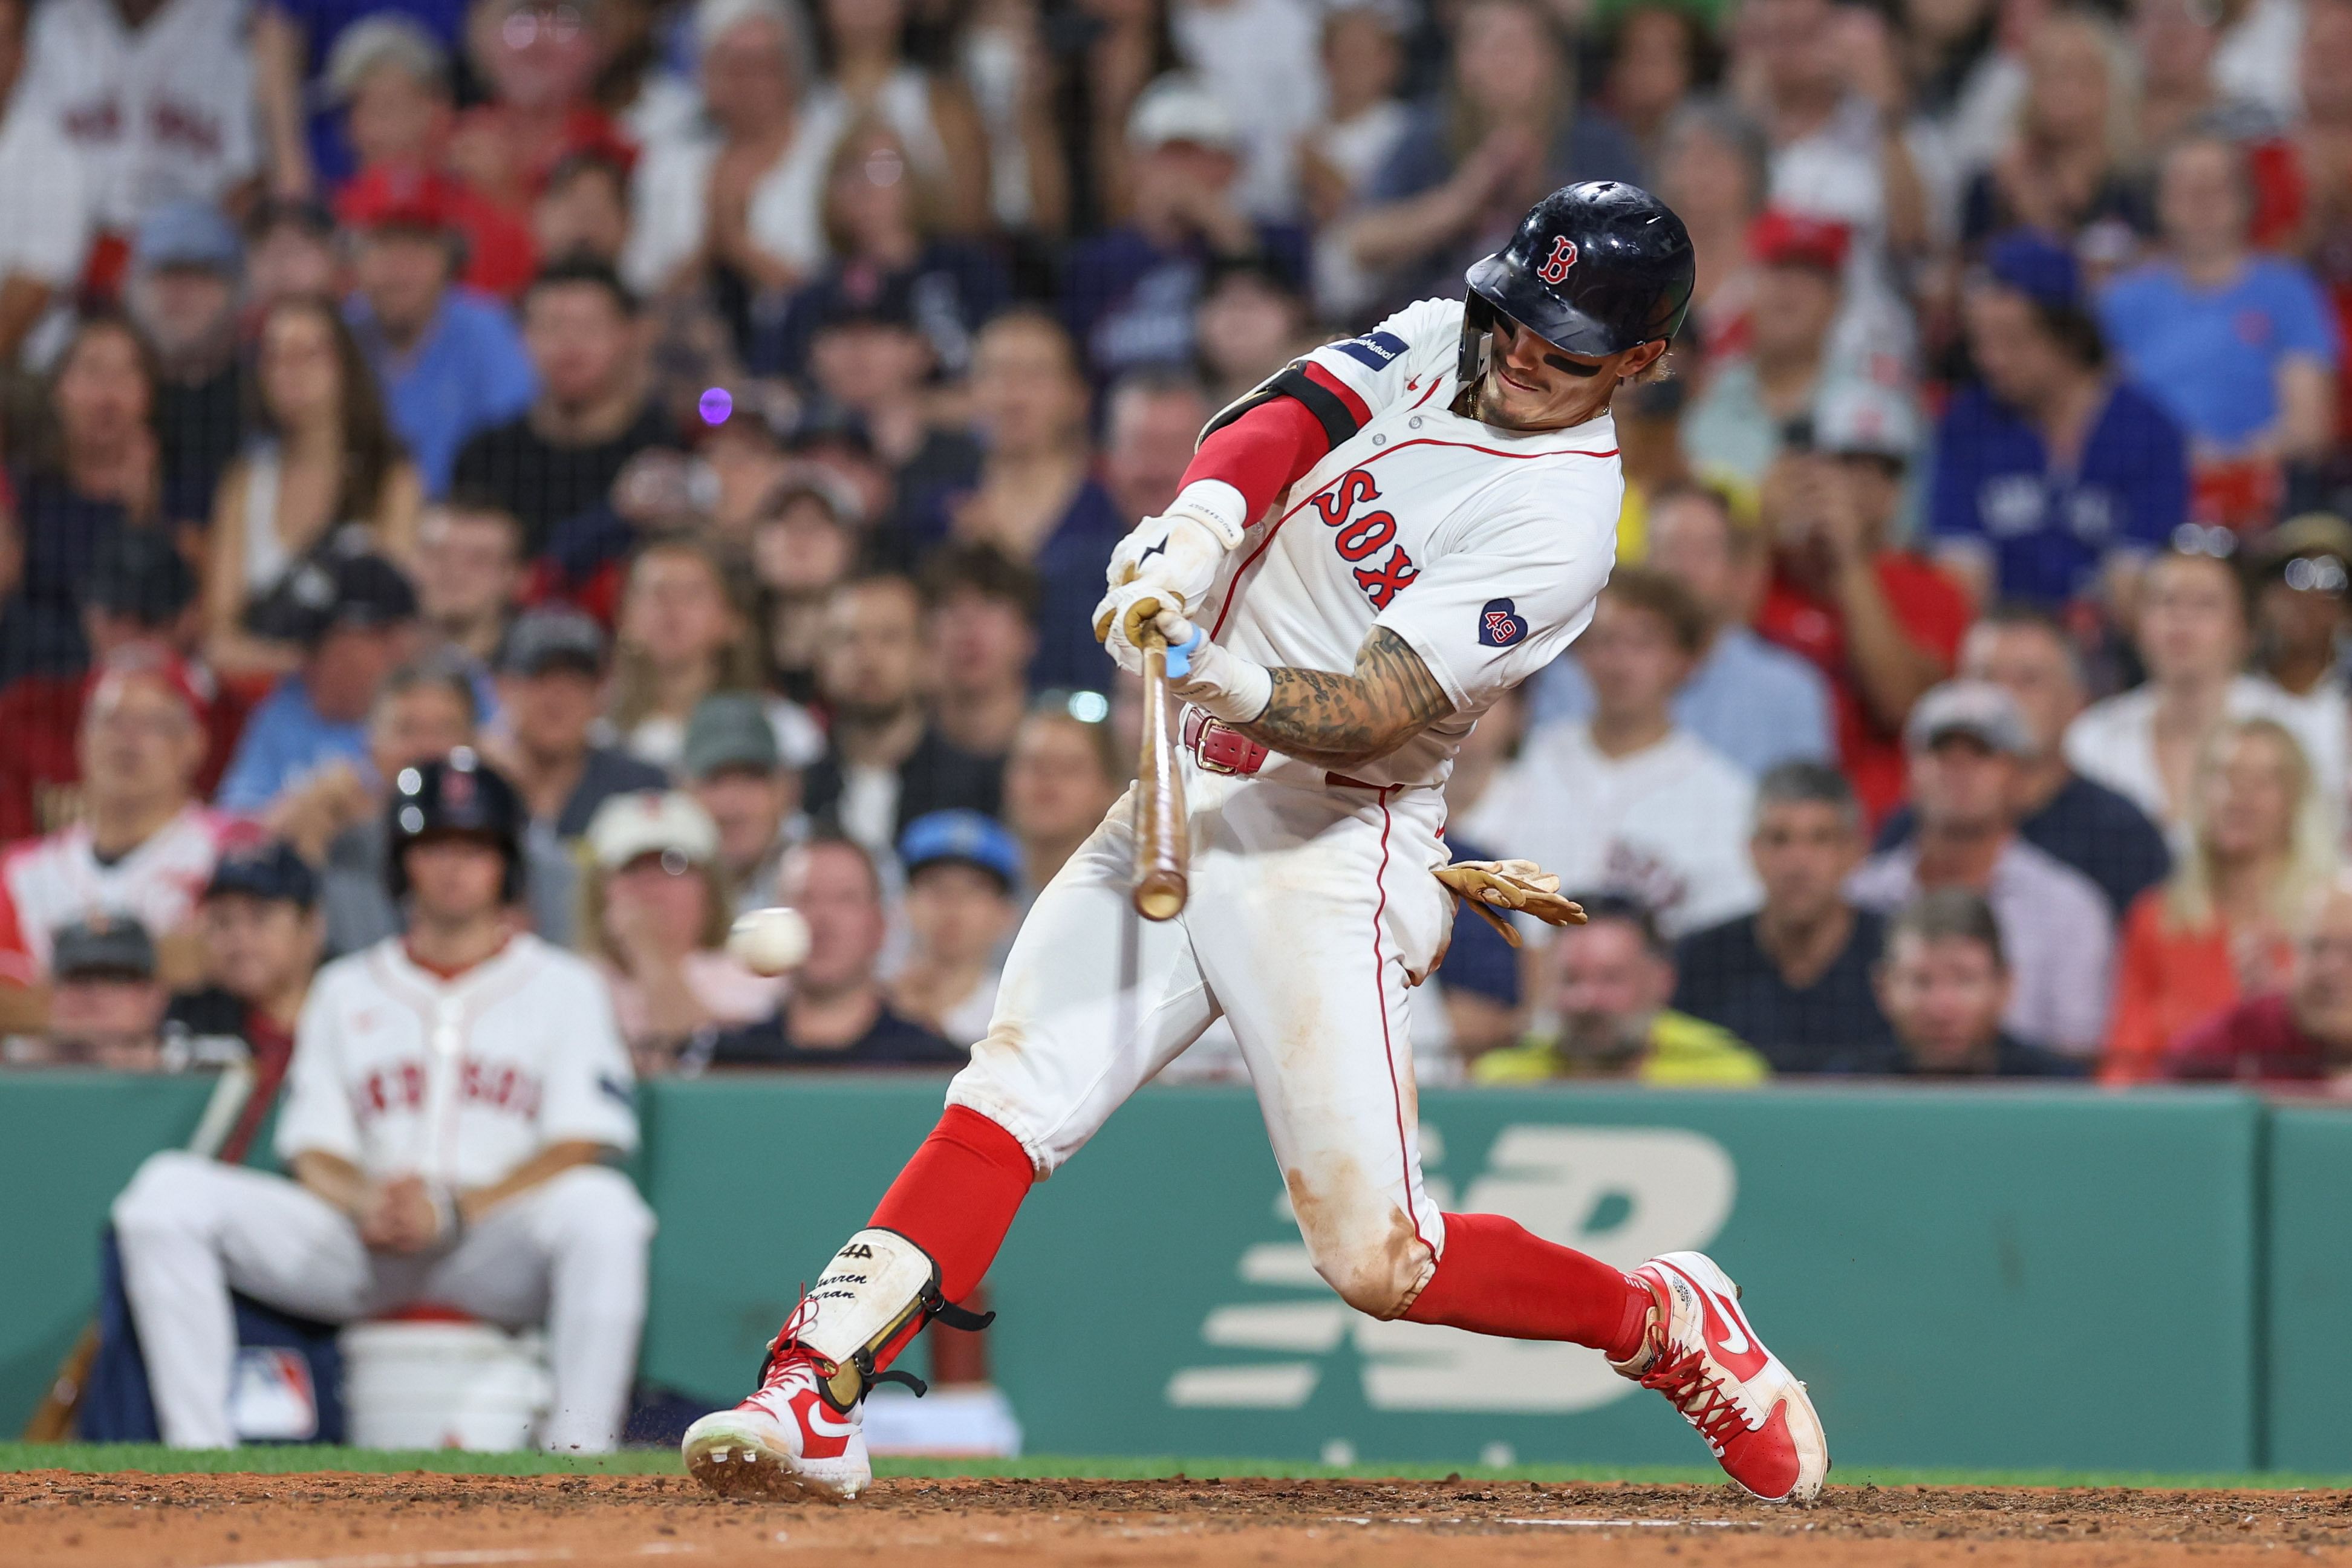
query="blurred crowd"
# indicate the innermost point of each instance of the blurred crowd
(718, 413)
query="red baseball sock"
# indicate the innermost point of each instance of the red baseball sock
(1496, 1278)
(956, 1198)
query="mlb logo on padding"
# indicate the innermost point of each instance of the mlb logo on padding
(1499, 625)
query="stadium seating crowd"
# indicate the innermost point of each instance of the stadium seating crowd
(719, 414)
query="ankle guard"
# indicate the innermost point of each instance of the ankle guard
(871, 1301)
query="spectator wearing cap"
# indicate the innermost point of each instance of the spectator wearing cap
(2302, 573)
(39, 169)
(1604, 992)
(158, 102)
(425, 712)
(836, 1013)
(1793, 980)
(2053, 478)
(1508, 126)
(2256, 847)
(106, 1003)
(2298, 1036)
(290, 252)
(449, 360)
(469, 577)
(187, 268)
(740, 194)
(1754, 701)
(1036, 500)
(1790, 369)
(143, 845)
(735, 771)
(550, 690)
(385, 72)
(961, 869)
(2238, 347)
(1881, 624)
(1129, 293)
(1946, 985)
(1061, 779)
(865, 353)
(2090, 827)
(321, 471)
(354, 617)
(1152, 420)
(262, 938)
(1965, 741)
(980, 621)
(1627, 799)
(885, 762)
(101, 472)
(557, 460)
(392, 79)
(884, 215)
(654, 916)
(138, 601)
(2193, 640)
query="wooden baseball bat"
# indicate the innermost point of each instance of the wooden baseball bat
(52, 1420)
(1162, 841)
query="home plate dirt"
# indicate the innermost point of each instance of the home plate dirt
(63, 1520)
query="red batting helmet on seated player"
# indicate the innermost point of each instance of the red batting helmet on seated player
(1592, 270)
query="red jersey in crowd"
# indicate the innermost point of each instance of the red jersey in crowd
(54, 882)
(1932, 610)
(2258, 1041)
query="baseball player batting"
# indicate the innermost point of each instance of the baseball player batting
(456, 1097)
(1368, 550)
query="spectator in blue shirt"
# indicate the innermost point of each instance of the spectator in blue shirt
(451, 361)
(1755, 702)
(2239, 346)
(355, 618)
(1128, 294)
(2050, 472)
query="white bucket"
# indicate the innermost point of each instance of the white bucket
(444, 1385)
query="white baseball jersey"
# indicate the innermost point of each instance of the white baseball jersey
(1482, 548)
(159, 112)
(57, 880)
(461, 1080)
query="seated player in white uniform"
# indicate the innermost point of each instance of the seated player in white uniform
(458, 1098)
(1366, 551)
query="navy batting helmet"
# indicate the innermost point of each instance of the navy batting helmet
(457, 794)
(1593, 269)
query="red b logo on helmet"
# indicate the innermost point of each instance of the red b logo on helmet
(1555, 265)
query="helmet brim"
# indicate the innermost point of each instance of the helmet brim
(1510, 288)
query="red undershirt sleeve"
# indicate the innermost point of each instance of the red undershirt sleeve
(1271, 442)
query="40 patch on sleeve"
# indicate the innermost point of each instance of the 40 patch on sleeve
(1499, 625)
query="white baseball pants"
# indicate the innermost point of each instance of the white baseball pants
(569, 1253)
(1310, 904)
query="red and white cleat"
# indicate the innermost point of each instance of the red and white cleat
(1701, 1354)
(786, 1442)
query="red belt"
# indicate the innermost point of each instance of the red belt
(1219, 748)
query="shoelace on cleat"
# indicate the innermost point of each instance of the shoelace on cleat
(1699, 1395)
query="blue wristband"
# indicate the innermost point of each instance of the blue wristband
(1180, 657)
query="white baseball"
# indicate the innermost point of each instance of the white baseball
(769, 941)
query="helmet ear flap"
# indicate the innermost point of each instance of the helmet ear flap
(1477, 330)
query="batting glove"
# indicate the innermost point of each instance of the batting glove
(1218, 680)
(1176, 554)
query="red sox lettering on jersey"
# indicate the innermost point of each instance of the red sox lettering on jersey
(1482, 548)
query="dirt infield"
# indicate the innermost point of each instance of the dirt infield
(65, 1520)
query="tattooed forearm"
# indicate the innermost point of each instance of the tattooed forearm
(1317, 716)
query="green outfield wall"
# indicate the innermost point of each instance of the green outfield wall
(1978, 1278)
